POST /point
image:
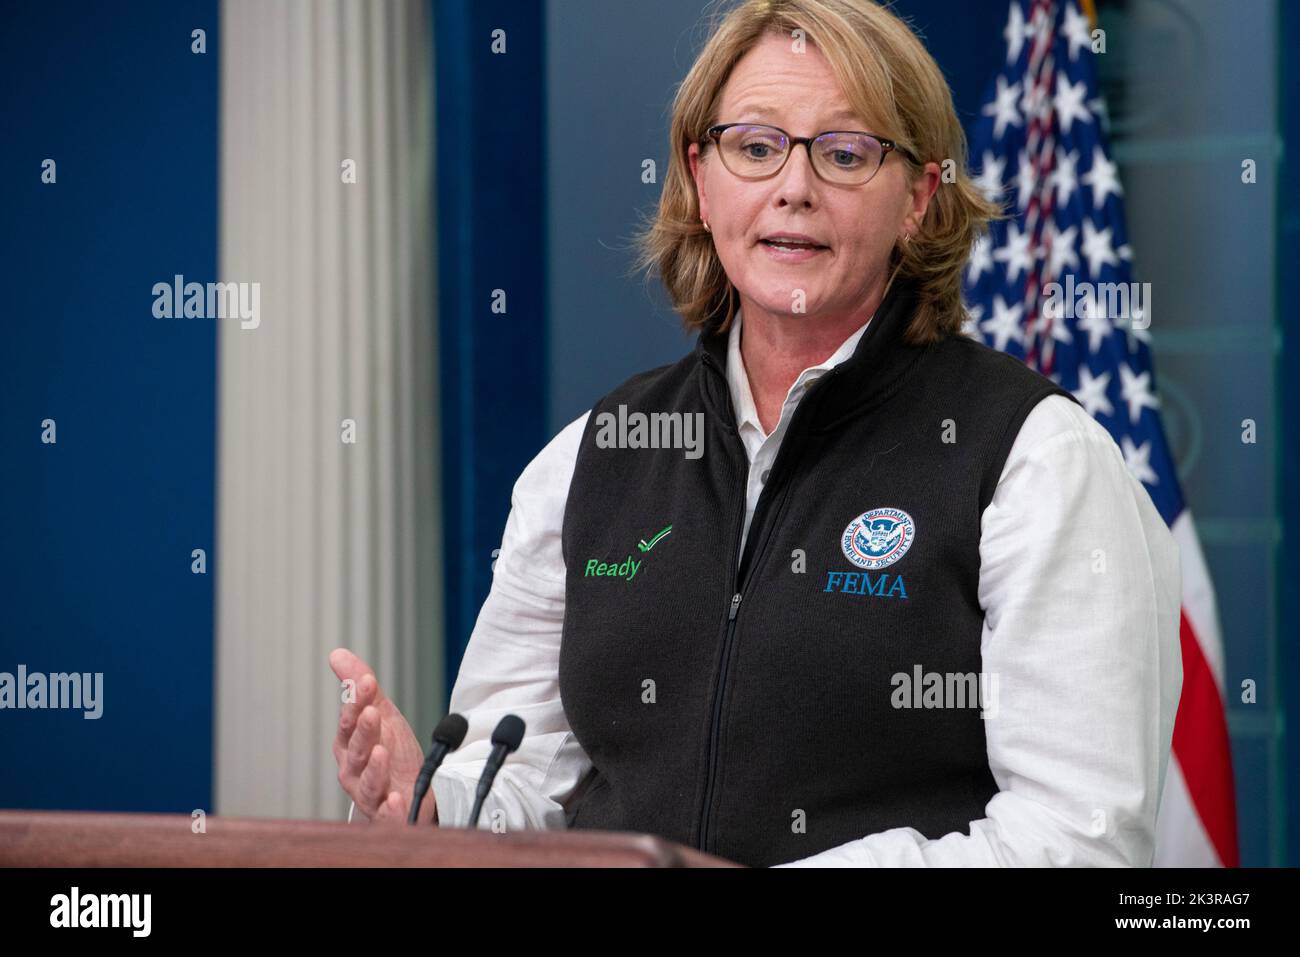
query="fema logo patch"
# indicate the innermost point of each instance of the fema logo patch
(878, 538)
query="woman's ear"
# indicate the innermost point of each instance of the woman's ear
(923, 188)
(697, 173)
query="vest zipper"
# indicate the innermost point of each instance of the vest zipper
(755, 547)
(717, 720)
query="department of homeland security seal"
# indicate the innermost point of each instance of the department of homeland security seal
(878, 538)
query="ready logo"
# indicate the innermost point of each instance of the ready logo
(646, 546)
(627, 568)
(874, 540)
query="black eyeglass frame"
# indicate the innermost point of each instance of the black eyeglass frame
(714, 133)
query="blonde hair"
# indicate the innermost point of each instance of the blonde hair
(892, 81)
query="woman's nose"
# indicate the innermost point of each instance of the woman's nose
(797, 182)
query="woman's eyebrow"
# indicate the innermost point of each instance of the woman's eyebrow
(768, 112)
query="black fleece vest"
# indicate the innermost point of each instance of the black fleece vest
(747, 704)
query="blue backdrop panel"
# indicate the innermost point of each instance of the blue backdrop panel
(491, 183)
(97, 529)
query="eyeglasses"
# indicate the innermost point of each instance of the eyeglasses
(842, 157)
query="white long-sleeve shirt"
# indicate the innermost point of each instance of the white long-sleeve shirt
(1079, 583)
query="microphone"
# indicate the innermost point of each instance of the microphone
(446, 738)
(506, 739)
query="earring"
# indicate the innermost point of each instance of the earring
(706, 226)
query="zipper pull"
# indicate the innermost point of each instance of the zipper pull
(735, 607)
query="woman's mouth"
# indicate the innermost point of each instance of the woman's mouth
(789, 250)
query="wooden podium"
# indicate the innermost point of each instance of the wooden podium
(84, 839)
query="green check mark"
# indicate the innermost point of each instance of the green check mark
(646, 546)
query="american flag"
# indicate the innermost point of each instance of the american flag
(1041, 148)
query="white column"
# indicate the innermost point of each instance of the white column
(322, 543)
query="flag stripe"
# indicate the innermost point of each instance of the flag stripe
(1201, 745)
(1181, 840)
(1202, 749)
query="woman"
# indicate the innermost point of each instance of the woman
(906, 605)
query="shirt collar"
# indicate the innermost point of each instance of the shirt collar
(742, 399)
(883, 358)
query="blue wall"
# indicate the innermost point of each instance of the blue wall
(1288, 377)
(490, 171)
(96, 530)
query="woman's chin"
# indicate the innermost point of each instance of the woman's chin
(795, 303)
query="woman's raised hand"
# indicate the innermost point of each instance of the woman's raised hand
(378, 754)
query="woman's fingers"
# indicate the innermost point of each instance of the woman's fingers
(368, 690)
(366, 694)
(364, 738)
(348, 717)
(365, 765)
(347, 724)
(395, 807)
(348, 667)
(373, 785)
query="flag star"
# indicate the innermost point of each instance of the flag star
(990, 178)
(981, 258)
(1004, 325)
(1094, 321)
(1058, 328)
(1025, 180)
(1102, 178)
(1137, 458)
(1055, 327)
(1098, 248)
(970, 325)
(1061, 244)
(1092, 392)
(1136, 391)
(1003, 108)
(1065, 177)
(1125, 252)
(1076, 31)
(1015, 32)
(1069, 102)
(1015, 254)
